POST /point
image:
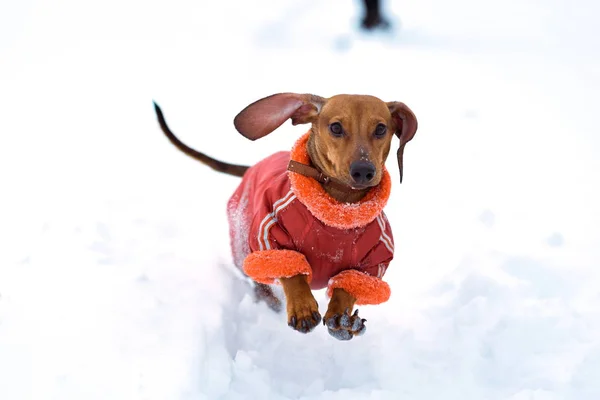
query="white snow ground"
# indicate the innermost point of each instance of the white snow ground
(115, 277)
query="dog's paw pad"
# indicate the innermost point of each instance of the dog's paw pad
(361, 331)
(345, 326)
(332, 322)
(340, 334)
(345, 321)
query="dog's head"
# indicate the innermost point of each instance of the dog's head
(350, 136)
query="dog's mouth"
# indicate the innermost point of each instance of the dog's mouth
(353, 185)
(357, 186)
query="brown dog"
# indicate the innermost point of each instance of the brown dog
(313, 218)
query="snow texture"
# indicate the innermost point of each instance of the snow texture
(116, 275)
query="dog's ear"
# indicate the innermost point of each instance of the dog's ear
(406, 127)
(265, 115)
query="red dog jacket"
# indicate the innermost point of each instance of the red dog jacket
(283, 224)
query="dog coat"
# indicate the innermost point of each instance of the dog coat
(283, 224)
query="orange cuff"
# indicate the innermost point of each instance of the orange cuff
(366, 288)
(265, 266)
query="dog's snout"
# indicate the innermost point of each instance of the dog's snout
(362, 172)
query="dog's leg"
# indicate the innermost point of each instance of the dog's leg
(302, 308)
(339, 322)
(264, 293)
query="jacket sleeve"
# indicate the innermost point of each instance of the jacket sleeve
(365, 282)
(273, 254)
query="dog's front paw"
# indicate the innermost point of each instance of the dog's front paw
(304, 317)
(345, 326)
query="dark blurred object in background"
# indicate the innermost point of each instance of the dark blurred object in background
(373, 18)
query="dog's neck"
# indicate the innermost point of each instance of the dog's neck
(350, 196)
(343, 196)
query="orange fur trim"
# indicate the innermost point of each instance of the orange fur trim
(327, 209)
(266, 266)
(366, 288)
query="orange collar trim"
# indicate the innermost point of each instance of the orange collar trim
(327, 209)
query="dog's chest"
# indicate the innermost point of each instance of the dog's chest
(330, 244)
(331, 250)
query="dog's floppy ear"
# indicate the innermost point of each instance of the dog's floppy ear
(406, 127)
(265, 115)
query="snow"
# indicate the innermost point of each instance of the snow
(116, 278)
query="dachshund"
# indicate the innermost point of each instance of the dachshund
(312, 217)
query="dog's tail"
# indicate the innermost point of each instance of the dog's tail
(231, 169)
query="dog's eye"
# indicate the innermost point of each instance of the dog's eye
(380, 131)
(336, 129)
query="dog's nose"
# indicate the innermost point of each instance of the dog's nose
(362, 172)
